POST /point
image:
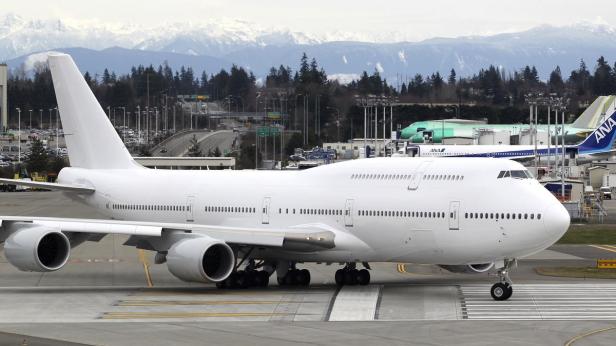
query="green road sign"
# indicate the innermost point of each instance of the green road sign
(268, 131)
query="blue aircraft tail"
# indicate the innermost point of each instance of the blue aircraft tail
(601, 139)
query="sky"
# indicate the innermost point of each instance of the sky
(384, 20)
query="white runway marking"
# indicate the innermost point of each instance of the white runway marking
(542, 302)
(355, 303)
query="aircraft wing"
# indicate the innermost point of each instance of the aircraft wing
(49, 186)
(307, 237)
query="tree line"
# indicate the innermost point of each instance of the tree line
(491, 93)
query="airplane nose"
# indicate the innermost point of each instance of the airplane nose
(557, 220)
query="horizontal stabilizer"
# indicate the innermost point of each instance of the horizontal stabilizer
(48, 186)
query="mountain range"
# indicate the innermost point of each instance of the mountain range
(212, 45)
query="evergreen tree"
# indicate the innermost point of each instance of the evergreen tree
(37, 160)
(452, 78)
(194, 150)
(555, 82)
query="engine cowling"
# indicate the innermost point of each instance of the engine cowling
(468, 268)
(201, 259)
(37, 248)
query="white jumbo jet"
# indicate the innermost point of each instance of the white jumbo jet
(206, 225)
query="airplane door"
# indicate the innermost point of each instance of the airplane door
(348, 213)
(190, 202)
(418, 175)
(266, 210)
(454, 215)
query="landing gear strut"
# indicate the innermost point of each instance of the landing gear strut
(349, 275)
(504, 289)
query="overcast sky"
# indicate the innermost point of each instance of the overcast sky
(378, 19)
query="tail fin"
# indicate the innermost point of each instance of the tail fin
(601, 139)
(91, 140)
(593, 115)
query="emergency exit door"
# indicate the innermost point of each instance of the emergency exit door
(190, 202)
(348, 213)
(265, 211)
(454, 215)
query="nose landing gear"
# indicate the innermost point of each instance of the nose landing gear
(504, 289)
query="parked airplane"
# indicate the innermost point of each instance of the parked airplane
(435, 130)
(206, 225)
(599, 144)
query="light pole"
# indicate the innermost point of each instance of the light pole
(50, 109)
(57, 130)
(123, 123)
(18, 134)
(41, 123)
(139, 123)
(30, 119)
(337, 122)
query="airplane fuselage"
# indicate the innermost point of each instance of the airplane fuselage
(444, 211)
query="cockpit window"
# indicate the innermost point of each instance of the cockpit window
(519, 174)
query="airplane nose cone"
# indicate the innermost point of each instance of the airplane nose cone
(557, 220)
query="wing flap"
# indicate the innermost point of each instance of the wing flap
(49, 186)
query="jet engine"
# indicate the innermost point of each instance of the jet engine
(37, 248)
(201, 259)
(468, 268)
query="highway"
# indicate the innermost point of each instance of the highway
(178, 144)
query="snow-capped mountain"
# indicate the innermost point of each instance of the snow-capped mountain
(218, 44)
(19, 36)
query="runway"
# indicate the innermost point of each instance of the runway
(112, 294)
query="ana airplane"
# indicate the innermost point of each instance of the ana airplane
(599, 144)
(206, 225)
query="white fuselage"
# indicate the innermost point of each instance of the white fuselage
(442, 211)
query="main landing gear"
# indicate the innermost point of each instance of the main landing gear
(350, 275)
(249, 277)
(504, 289)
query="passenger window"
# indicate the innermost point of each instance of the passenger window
(538, 216)
(532, 216)
(525, 216)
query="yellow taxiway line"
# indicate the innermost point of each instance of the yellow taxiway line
(160, 315)
(610, 248)
(146, 267)
(195, 302)
(592, 332)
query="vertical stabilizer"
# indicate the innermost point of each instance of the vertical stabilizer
(596, 113)
(91, 140)
(602, 139)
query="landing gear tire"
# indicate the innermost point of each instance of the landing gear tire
(339, 277)
(264, 278)
(295, 277)
(363, 277)
(350, 277)
(303, 277)
(501, 291)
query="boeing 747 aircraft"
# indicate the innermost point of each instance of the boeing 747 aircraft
(237, 228)
(599, 144)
